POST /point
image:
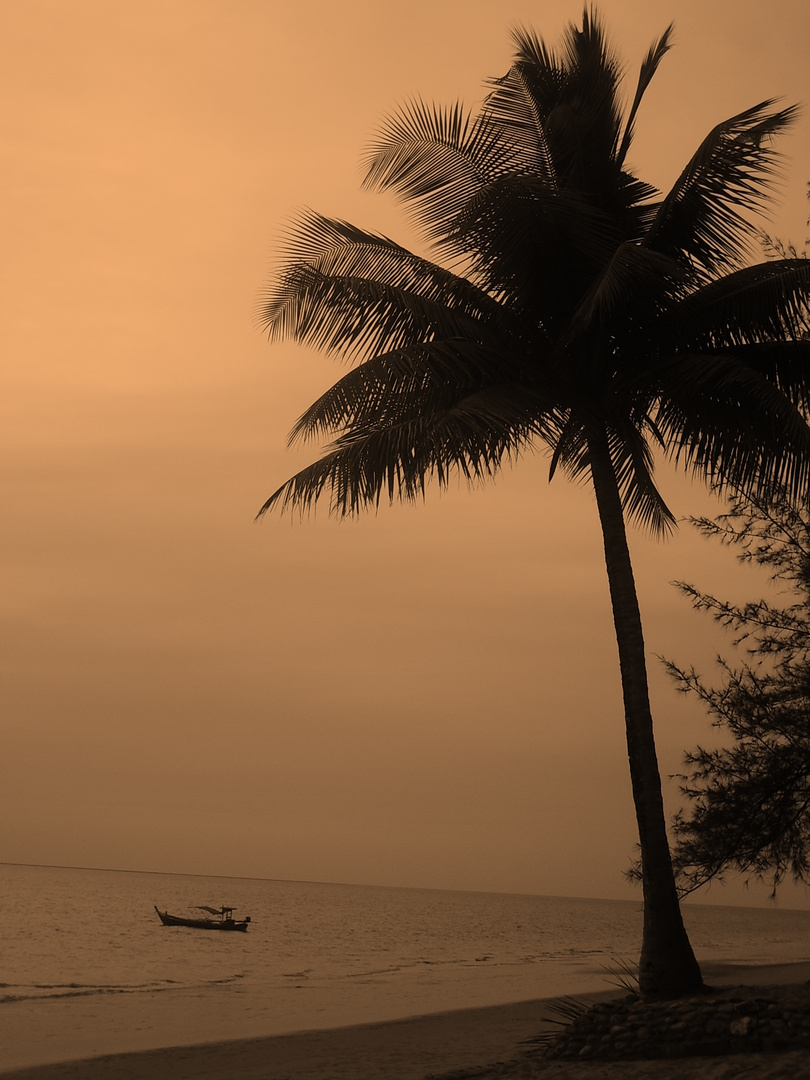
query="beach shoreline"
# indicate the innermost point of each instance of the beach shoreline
(412, 1048)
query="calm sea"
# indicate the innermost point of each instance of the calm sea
(86, 967)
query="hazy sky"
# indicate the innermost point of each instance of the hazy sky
(428, 696)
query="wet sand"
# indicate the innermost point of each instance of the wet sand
(459, 1042)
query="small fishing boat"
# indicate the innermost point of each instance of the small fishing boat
(224, 919)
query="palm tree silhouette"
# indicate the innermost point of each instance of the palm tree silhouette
(573, 307)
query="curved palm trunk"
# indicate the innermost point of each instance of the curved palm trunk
(667, 967)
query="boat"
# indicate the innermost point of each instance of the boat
(224, 919)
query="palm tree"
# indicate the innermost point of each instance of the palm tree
(573, 308)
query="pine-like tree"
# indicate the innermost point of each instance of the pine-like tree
(749, 801)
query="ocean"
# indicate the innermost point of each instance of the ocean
(86, 967)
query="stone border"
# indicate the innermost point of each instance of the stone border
(727, 1021)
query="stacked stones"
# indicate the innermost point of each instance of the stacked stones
(713, 1023)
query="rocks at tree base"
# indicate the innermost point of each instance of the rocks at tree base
(724, 1022)
(727, 1021)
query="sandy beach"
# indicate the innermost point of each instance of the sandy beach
(480, 1043)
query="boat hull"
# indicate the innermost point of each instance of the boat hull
(203, 924)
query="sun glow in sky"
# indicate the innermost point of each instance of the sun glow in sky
(428, 696)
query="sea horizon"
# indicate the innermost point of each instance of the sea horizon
(774, 903)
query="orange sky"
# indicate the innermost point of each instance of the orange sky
(426, 697)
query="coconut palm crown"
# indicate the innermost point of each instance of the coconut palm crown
(570, 307)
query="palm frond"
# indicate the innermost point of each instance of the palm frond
(634, 468)
(595, 78)
(437, 160)
(562, 110)
(785, 365)
(357, 293)
(649, 66)
(734, 427)
(520, 102)
(410, 381)
(632, 461)
(569, 448)
(472, 440)
(705, 220)
(767, 302)
(634, 278)
(533, 244)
